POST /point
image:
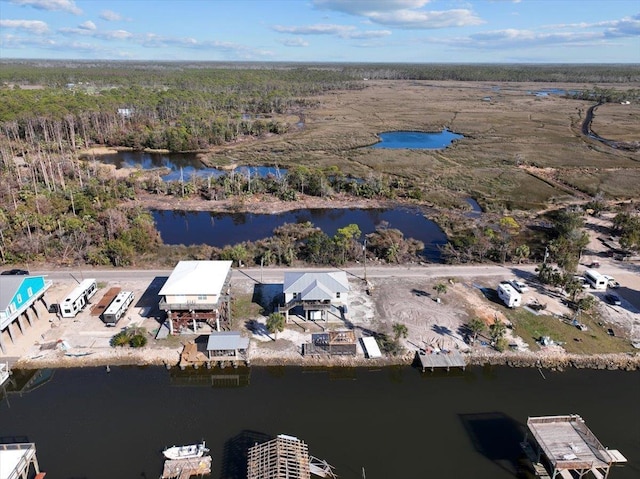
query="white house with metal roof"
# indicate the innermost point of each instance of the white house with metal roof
(316, 292)
(197, 291)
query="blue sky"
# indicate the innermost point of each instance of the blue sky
(417, 31)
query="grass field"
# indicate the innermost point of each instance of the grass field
(506, 126)
(595, 340)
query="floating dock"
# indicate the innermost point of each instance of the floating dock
(185, 468)
(442, 359)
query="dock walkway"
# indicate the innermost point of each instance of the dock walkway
(185, 468)
(433, 360)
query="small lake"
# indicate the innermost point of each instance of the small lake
(417, 140)
(221, 229)
(185, 165)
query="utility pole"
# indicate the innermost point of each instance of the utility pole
(364, 251)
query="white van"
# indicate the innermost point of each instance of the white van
(509, 296)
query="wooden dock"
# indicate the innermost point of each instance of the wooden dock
(442, 359)
(185, 468)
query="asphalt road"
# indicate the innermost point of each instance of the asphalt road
(275, 275)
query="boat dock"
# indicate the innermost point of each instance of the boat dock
(567, 447)
(185, 468)
(442, 359)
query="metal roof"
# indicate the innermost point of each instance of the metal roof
(197, 278)
(226, 340)
(9, 285)
(333, 281)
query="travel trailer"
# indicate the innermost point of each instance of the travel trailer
(117, 308)
(78, 298)
(509, 296)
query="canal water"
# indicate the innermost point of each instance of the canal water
(395, 422)
(220, 229)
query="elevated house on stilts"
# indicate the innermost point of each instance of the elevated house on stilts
(197, 291)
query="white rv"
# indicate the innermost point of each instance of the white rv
(509, 296)
(595, 279)
(117, 308)
(76, 299)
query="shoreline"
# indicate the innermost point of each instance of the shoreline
(170, 358)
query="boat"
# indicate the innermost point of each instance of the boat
(185, 452)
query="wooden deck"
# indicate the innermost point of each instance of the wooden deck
(450, 359)
(185, 468)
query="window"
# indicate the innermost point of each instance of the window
(202, 297)
(19, 298)
(30, 291)
(338, 295)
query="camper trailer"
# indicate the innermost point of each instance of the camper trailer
(117, 308)
(595, 279)
(509, 296)
(78, 298)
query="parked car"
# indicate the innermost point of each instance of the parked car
(16, 272)
(519, 286)
(613, 299)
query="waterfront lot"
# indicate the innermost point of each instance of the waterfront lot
(404, 295)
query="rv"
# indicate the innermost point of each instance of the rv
(595, 279)
(509, 296)
(78, 298)
(117, 308)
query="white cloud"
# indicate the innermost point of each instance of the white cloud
(520, 39)
(343, 31)
(426, 20)
(365, 7)
(294, 42)
(406, 14)
(88, 25)
(369, 34)
(34, 26)
(61, 5)
(110, 16)
(318, 29)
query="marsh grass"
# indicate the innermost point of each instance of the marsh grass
(515, 128)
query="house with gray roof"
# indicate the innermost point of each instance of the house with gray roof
(317, 293)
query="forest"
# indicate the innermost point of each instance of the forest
(56, 208)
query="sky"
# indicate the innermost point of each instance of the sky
(414, 31)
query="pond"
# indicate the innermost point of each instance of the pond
(417, 140)
(221, 229)
(476, 209)
(393, 422)
(184, 165)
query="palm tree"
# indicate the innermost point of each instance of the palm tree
(275, 323)
(497, 330)
(476, 326)
(400, 331)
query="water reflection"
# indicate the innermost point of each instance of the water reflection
(182, 166)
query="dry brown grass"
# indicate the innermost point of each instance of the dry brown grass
(512, 129)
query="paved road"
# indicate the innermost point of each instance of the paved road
(275, 275)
